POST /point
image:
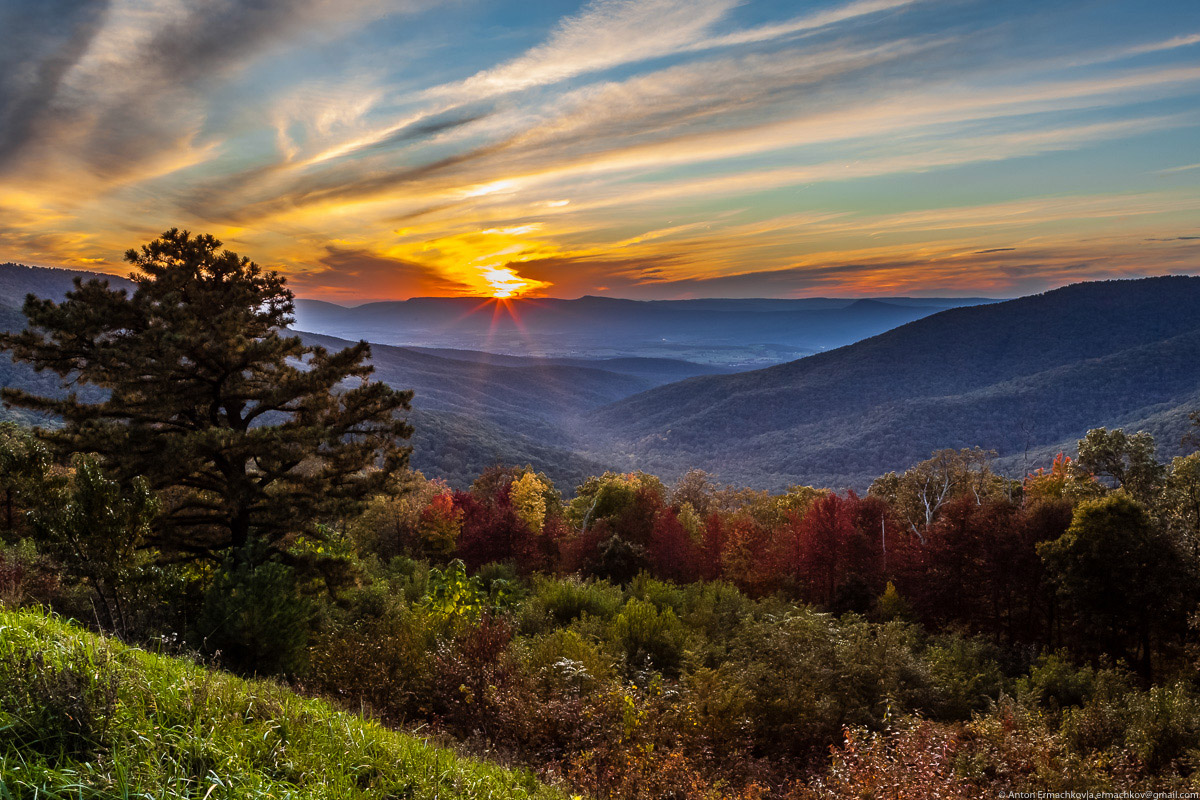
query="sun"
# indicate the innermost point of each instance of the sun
(505, 282)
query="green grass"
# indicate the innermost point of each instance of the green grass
(86, 717)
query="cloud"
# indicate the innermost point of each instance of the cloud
(121, 85)
(745, 106)
(939, 272)
(1158, 47)
(606, 33)
(359, 275)
(640, 145)
(589, 128)
(610, 33)
(802, 24)
(574, 276)
(42, 42)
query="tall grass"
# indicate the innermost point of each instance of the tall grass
(84, 717)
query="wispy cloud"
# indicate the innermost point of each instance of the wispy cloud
(607, 33)
(1157, 47)
(647, 146)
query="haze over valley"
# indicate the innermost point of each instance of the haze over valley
(591, 389)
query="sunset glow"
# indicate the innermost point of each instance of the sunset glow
(505, 282)
(632, 148)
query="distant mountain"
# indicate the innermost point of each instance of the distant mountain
(523, 398)
(1025, 377)
(18, 280)
(728, 333)
(1022, 377)
(469, 413)
(457, 448)
(655, 370)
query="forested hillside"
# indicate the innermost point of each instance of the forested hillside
(1025, 378)
(1020, 377)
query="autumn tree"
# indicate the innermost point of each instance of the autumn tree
(439, 527)
(388, 526)
(243, 430)
(510, 514)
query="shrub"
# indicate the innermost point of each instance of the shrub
(649, 637)
(376, 652)
(562, 661)
(909, 763)
(570, 599)
(965, 676)
(1054, 682)
(661, 594)
(1163, 728)
(26, 576)
(255, 617)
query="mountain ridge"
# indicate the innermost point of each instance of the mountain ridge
(912, 377)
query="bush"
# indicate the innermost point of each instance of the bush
(909, 763)
(1164, 729)
(965, 676)
(563, 601)
(375, 652)
(661, 594)
(26, 576)
(563, 662)
(1159, 727)
(1055, 683)
(649, 637)
(255, 618)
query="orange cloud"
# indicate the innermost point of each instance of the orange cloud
(358, 276)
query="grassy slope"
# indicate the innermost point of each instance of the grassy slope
(84, 717)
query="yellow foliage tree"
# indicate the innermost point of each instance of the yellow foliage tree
(528, 496)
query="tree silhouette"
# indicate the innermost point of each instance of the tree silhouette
(244, 431)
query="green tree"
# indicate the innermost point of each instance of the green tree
(96, 528)
(1180, 502)
(25, 476)
(242, 429)
(1121, 579)
(255, 616)
(1126, 459)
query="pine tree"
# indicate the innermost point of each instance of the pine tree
(244, 431)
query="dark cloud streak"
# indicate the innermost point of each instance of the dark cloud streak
(42, 41)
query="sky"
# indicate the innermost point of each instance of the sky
(384, 149)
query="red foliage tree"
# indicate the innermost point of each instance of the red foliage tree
(835, 551)
(671, 551)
